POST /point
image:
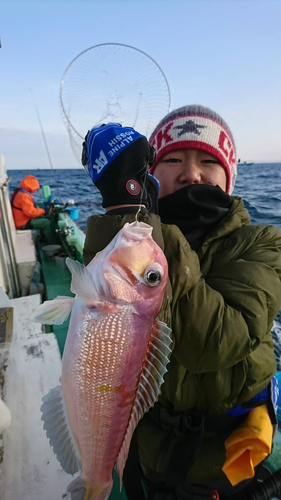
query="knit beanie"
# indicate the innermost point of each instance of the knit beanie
(196, 127)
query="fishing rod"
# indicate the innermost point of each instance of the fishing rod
(72, 203)
(46, 145)
(96, 203)
(62, 207)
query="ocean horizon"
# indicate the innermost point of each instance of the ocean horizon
(258, 184)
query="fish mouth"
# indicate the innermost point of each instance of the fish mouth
(121, 271)
(137, 231)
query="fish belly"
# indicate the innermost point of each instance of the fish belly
(102, 363)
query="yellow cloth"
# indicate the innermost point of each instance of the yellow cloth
(247, 446)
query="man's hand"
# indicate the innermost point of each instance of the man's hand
(117, 159)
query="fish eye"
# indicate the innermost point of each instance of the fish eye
(153, 274)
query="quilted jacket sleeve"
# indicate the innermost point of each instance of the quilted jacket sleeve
(229, 313)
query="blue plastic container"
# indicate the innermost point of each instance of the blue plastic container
(73, 212)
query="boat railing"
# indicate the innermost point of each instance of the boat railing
(9, 278)
(17, 249)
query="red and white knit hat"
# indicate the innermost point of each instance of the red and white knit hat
(196, 127)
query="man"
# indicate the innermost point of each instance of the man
(222, 297)
(26, 214)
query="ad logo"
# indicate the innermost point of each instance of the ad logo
(133, 187)
(100, 162)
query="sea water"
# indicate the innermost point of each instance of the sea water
(258, 184)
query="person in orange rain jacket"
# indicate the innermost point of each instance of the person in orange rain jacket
(26, 214)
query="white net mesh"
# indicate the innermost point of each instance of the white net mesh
(112, 83)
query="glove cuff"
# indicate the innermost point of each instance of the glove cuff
(128, 191)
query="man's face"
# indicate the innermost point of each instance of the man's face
(183, 167)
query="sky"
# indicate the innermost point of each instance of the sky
(223, 54)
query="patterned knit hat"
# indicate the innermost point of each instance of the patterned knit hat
(196, 127)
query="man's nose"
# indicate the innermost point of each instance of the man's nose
(190, 174)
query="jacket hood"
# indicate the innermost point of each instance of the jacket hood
(30, 183)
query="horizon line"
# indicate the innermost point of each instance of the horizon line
(82, 168)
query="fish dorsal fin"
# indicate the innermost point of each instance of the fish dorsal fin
(152, 376)
(53, 312)
(56, 425)
(82, 283)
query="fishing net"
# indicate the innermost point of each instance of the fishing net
(112, 82)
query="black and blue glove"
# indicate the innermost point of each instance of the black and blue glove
(118, 159)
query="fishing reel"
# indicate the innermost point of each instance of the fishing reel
(66, 231)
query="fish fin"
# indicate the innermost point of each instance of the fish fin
(80, 490)
(152, 376)
(82, 283)
(56, 425)
(53, 312)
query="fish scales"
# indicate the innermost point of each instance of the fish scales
(105, 372)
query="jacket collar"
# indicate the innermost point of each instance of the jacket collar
(236, 217)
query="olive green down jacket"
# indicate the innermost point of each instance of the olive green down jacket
(220, 303)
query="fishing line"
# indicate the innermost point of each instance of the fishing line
(137, 213)
(143, 189)
(49, 156)
(46, 145)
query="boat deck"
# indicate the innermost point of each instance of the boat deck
(57, 282)
(29, 469)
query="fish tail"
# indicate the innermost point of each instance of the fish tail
(77, 489)
(87, 493)
(91, 494)
(81, 490)
(100, 493)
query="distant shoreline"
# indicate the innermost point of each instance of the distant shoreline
(81, 168)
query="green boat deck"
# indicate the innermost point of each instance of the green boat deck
(57, 282)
